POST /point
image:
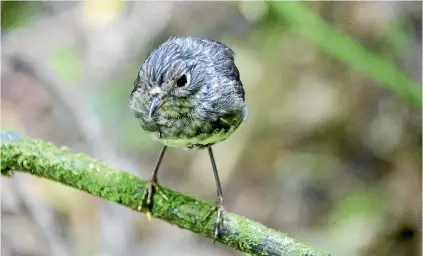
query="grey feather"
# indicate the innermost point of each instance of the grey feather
(207, 109)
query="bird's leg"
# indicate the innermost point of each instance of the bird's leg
(153, 185)
(220, 206)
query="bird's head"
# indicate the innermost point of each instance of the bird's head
(188, 76)
(173, 74)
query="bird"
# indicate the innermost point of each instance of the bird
(188, 94)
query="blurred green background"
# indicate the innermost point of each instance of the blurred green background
(330, 152)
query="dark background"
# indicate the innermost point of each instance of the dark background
(328, 154)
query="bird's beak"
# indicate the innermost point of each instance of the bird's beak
(157, 102)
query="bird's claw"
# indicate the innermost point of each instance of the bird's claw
(219, 208)
(147, 196)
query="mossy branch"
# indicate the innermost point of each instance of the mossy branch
(82, 172)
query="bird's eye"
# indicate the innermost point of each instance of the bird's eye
(182, 81)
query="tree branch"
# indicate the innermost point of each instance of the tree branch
(80, 171)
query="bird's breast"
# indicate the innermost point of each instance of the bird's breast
(187, 131)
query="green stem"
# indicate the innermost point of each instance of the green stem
(341, 46)
(79, 171)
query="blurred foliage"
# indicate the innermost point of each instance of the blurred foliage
(67, 63)
(345, 49)
(397, 37)
(364, 203)
(17, 14)
(99, 13)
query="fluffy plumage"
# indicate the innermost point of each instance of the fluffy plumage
(200, 92)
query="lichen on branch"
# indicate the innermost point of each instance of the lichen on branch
(79, 171)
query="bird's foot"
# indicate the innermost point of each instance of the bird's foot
(219, 208)
(147, 196)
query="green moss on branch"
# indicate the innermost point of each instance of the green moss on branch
(82, 172)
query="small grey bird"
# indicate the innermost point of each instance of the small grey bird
(188, 94)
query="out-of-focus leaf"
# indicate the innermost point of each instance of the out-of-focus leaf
(99, 13)
(345, 49)
(67, 63)
(15, 14)
(362, 203)
(397, 36)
